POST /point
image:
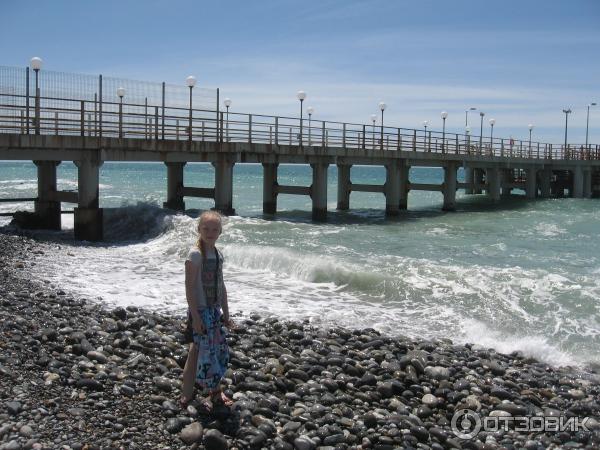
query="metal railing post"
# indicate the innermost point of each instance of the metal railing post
(163, 113)
(100, 107)
(456, 146)
(121, 119)
(146, 126)
(221, 128)
(344, 136)
(27, 98)
(250, 128)
(22, 114)
(82, 118)
(156, 123)
(177, 130)
(323, 136)
(277, 131)
(414, 140)
(56, 123)
(399, 140)
(364, 137)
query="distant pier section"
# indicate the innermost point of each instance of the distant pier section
(50, 117)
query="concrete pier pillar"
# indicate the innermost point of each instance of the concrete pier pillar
(506, 179)
(224, 187)
(545, 181)
(449, 187)
(577, 182)
(88, 216)
(174, 186)
(318, 191)
(587, 183)
(531, 183)
(469, 177)
(343, 196)
(403, 170)
(48, 212)
(269, 184)
(493, 177)
(478, 180)
(392, 189)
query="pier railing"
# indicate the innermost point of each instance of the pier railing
(157, 111)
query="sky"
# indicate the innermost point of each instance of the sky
(520, 62)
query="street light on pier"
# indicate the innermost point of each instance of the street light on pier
(227, 103)
(530, 126)
(120, 94)
(425, 123)
(191, 82)
(373, 119)
(310, 110)
(36, 65)
(472, 108)
(587, 123)
(444, 115)
(567, 112)
(481, 114)
(492, 123)
(382, 107)
(301, 96)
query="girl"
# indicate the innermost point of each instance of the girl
(208, 311)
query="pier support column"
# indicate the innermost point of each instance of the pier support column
(403, 170)
(47, 211)
(545, 180)
(507, 179)
(469, 177)
(477, 180)
(174, 186)
(392, 189)
(224, 187)
(88, 216)
(449, 187)
(530, 183)
(493, 179)
(577, 182)
(343, 196)
(269, 185)
(587, 183)
(318, 191)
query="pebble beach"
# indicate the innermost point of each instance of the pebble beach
(76, 374)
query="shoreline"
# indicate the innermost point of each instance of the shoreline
(75, 373)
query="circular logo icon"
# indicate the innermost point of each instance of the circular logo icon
(466, 424)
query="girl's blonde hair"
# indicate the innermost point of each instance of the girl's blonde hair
(206, 215)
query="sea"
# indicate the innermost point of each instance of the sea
(518, 275)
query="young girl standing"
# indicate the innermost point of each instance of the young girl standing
(208, 313)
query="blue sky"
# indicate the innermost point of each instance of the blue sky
(520, 61)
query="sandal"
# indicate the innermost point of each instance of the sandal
(221, 399)
(185, 401)
(206, 405)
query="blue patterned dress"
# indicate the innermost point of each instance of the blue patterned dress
(213, 352)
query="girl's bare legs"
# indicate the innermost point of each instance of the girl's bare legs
(189, 373)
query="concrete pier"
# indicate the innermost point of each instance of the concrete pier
(175, 186)
(545, 182)
(269, 188)
(469, 178)
(478, 180)
(587, 183)
(449, 187)
(224, 187)
(404, 170)
(507, 181)
(392, 188)
(343, 193)
(494, 183)
(530, 183)
(318, 191)
(577, 183)
(47, 210)
(88, 216)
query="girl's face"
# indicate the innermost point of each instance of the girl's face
(210, 230)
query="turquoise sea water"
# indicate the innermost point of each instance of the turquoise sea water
(518, 275)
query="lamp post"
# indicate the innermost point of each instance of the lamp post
(444, 115)
(467, 115)
(310, 110)
(36, 65)
(301, 96)
(567, 112)
(121, 94)
(382, 107)
(492, 123)
(191, 82)
(530, 126)
(468, 139)
(227, 103)
(481, 114)
(373, 119)
(587, 123)
(425, 123)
